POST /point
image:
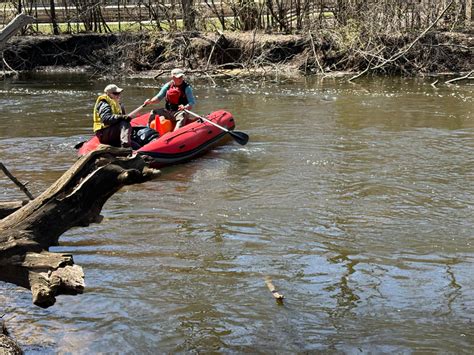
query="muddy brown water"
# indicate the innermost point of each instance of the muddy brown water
(356, 200)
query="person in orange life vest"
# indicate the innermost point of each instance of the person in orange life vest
(111, 124)
(178, 95)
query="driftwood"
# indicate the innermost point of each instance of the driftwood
(467, 76)
(9, 31)
(14, 26)
(7, 208)
(75, 199)
(8, 346)
(277, 295)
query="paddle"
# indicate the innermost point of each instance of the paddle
(131, 114)
(240, 137)
(134, 112)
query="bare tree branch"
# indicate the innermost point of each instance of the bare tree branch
(407, 48)
(467, 76)
(17, 182)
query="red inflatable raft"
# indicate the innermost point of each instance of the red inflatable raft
(184, 144)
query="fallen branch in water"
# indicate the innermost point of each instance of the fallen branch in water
(279, 297)
(16, 181)
(467, 76)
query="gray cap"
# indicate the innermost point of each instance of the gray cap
(112, 88)
(177, 73)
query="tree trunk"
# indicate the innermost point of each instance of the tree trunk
(468, 13)
(54, 21)
(189, 17)
(14, 26)
(75, 199)
(7, 208)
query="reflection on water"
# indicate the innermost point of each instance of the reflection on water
(355, 200)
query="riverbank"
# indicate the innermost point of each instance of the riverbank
(241, 53)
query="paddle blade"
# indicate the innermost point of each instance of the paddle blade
(240, 137)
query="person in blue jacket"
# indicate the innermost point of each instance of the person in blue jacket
(178, 95)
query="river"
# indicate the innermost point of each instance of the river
(357, 200)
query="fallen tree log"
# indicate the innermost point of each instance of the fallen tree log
(13, 27)
(75, 199)
(7, 208)
(8, 32)
(8, 346)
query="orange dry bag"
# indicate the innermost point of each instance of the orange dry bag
(162, 125)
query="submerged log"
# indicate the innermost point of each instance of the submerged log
(75, 199)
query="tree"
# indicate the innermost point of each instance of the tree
(468, 13)
(54, 21)
(189, 15)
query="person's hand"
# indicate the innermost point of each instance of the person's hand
(148, 102)
(181, 108)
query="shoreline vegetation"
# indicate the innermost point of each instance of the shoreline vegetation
(276, 39)
(240, 54)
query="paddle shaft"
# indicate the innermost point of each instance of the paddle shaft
(240, 137)
(134, 112)
(209, 121)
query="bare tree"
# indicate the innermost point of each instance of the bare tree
(90, 13)
(54, 21)
(189, 15)
(218, 11)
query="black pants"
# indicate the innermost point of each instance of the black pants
(117, 135)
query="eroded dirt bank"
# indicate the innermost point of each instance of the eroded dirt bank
(436, 52)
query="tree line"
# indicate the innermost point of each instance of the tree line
(283, 16)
